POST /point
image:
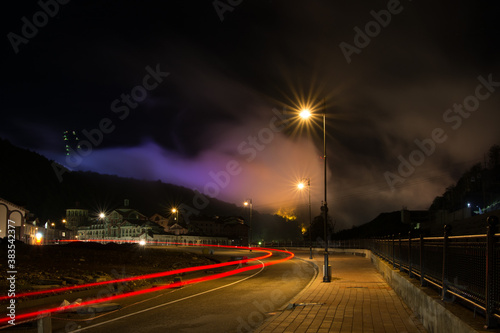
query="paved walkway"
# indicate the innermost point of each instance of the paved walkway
(356, 300)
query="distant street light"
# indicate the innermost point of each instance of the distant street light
(176, 212)
(301, 185)
(102, 215)
(249, 203)
(306, 114)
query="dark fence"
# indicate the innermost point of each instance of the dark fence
(466, 268)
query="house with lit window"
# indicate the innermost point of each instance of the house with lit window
(120, 224)
(161, 220)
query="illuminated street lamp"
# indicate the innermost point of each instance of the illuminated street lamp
(306, 114)
(307, 182)
(249, 203)
(105, 233)
(176, 219)
(176, 212)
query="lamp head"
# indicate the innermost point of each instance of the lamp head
(304, 114)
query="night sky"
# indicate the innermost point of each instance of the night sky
(193, 93)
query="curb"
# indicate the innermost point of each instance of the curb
(291, 304)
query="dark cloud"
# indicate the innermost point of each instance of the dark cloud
(226, 77)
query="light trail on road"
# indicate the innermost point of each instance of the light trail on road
(169, 303)
(26, 316)
(141, 277)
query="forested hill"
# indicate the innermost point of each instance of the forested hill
(28, 179)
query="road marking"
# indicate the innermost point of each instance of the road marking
(171, 302)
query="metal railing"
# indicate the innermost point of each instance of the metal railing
(461, 267)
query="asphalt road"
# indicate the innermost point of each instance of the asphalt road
(237, 303)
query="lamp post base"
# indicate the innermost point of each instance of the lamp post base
(327, 269)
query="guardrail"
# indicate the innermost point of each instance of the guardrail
(466, 268)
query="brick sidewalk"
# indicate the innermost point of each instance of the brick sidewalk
(356, 300)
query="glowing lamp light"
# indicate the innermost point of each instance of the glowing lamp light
(301, 186)
(142, 242)
(38, 237)
(304, 114)
(102, 215)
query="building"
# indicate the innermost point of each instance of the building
(128, 224)
(232, 227)
(207, 226)
(127, 229)
(417, 219)
(37, 233)
(236, 230)
(12, 217)
(76, 217)
(71, 143)
(120, 224)
(161, 220)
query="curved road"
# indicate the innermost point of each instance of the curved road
(237, 303)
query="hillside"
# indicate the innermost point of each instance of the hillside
(28, 179)
(383, 225)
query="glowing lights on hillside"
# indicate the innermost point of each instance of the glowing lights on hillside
(288, 214)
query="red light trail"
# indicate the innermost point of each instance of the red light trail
(20, 317)
(139, 277)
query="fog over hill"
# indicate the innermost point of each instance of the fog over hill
(29, 179)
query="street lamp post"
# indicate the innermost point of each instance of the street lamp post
(307, 181)
(306, 114)
(176, 220)
(176, 212)
(105, 232)
(249, 203)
